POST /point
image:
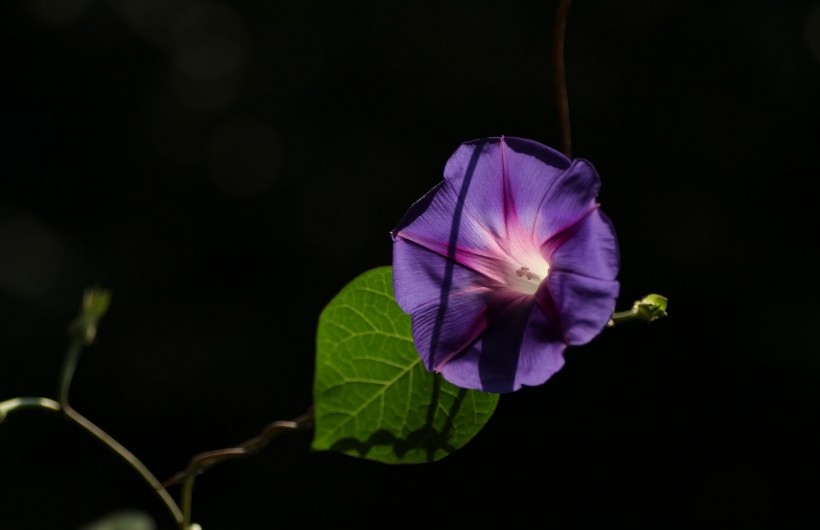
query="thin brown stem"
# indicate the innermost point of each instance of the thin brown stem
(14, 404)
(128, 456)
(199, 463)
(561, 76)
(82, 332)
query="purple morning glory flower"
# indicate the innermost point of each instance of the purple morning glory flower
(505, 263)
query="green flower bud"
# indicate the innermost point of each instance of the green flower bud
(651, 307)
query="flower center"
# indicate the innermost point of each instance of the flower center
(527, 280)
(526, 272)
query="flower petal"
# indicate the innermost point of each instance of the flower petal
(504, 181)
(520, 346)
(584, 304)
(588, 248)
(570, 198)
(421, 276)
(442, 331)
(446, 301)
(438, 222)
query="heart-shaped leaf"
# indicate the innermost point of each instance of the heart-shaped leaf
(373, 397)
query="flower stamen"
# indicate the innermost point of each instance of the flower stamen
(525, 271)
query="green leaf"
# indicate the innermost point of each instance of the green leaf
(373, 397)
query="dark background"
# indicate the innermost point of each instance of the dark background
(225, 167)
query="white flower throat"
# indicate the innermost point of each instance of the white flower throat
(527, 280)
